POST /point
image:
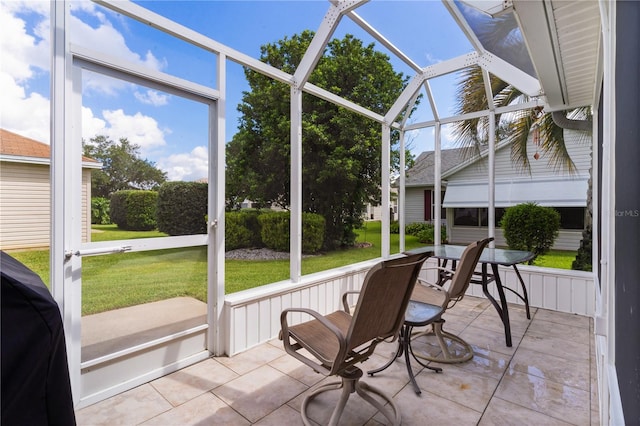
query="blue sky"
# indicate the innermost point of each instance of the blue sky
(171, 130)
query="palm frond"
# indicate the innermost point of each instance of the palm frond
(553, 146)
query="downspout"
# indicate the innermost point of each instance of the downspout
(561, 120)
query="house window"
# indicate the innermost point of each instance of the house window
(571, 217)
(472, 216)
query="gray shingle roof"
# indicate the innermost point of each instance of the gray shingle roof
(421, 174)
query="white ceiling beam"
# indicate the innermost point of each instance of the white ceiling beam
(383, 40)
(512, 75)
(405, 97)
(322, 36)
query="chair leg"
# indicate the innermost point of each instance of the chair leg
(350, 383)
(446, 356)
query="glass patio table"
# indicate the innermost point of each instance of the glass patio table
(490, 256)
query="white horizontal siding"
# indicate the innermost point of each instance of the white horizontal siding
(25, 205)
(578, 147)
(567, 239)
(414, 205)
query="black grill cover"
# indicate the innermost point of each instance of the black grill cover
(35, 375)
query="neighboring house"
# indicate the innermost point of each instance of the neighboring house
(466, 192)
(25, 193)
(419, 184)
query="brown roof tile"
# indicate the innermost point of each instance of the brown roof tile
(21, 146)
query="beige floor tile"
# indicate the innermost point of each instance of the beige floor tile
(561, 331)
(252, 358)
(192, 381)
(206, 409)
(459, 385)
(356, 412)
(284, 415)
(504, 413)
(489, 340)
(431, 409)
(563, 318)
(550, 367)
(259, 392)
(128, 408)
(545, 396)
(296, 369)
(554, 346)
(488, 363)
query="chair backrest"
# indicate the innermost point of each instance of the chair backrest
(465, 268)
(383, 299)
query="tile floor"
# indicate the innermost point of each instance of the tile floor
(548, 377)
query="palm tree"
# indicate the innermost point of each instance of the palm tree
(548, 134)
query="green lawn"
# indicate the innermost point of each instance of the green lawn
(119, 280)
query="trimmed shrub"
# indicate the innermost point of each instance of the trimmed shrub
(100, 211)
(242, 229)
(313, 226)
(530, 227)
(416, 227)
(182, 208)
(394, 227)
(427, 234)
(134, 210)
(275, 231)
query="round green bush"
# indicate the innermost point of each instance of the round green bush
(530, 227)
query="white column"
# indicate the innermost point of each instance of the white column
(386, 189)
(437, 186)
(216, 253)
(401, 192)
(295, 243)
(492, 176)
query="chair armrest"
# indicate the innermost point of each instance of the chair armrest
(285, 336)
(345, 302)
(435, 288)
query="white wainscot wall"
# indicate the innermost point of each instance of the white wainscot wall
(253, 316)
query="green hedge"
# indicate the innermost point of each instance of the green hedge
(182, 208)
(275, 231)
(242, 229)
(134, 210)
(530, 227)
(423, 231)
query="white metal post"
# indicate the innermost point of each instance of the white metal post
(386, 189)
(216, 193)
(295, 244)
(401, 192)
(437, 186)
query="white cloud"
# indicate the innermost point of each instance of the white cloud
(187, 166)
(152, 97)
(139, 129)
(26, 55)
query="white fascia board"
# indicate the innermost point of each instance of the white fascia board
(536, 31)
(42, 161)
(512, 75)
(25, 160)
(181, 32)
(97, 61)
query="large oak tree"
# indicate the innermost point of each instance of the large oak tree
(341, 149)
